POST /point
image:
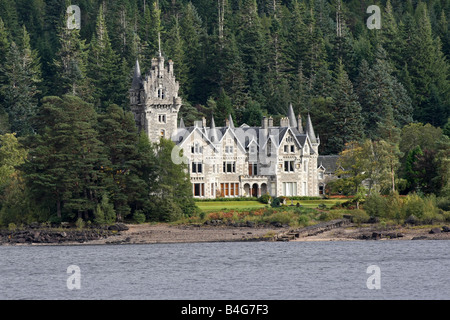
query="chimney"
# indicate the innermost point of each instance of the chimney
(284, 122)
(204, 122)
(265, 123)
(299, 124)
(270, 121)
(170, 67)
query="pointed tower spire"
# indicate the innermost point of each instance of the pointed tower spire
(310, 130)
(213, 136)
(181, 126)
(137, 80)
(230, 121)
(291, 116)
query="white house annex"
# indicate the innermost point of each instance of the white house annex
(229, 161)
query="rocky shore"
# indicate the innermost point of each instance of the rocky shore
(218, 231)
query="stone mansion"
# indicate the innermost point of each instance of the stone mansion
(229, 160)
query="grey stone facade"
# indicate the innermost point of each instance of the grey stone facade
(227, 161)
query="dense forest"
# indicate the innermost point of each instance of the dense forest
(385, 89)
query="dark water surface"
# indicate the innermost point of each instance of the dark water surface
(236, 270)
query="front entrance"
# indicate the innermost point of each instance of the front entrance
(255, 190)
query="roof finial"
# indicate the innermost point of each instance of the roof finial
(159, 44)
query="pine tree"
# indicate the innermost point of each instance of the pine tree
(4, 48)
(233, 77)
(117, 131)
(176, 47)
(297, 45)
(65, 172)
(346, 123)
(223, 108)
(104, 67)
(71, 61)
(22, 75)
(173, 192)
(253, 47)
(429, 72)
(191, 31)
(382, 97)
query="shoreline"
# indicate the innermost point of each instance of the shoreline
(339, 230)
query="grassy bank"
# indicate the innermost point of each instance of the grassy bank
(212, 206)
(295, 213)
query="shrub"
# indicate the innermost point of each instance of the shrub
(264, 198)
(443, 203)
(80, 223)
(104, 212)
(12, 226)
(303, 220)
(414, 206)
(375, 205)
(139, 216)
(394, 205)
(280, 217)
(360, 216)
(276, 202)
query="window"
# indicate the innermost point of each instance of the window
(228, 149)
(229, 189)
(162, 133)
(320, 174)
(197, 148)
(292, 148)
(321, 189)
(286, 148)
(229, 167)
(196, 167)
(199, 189)
(289, 166)
(252, 169)
(162, 118)
(305, 165)
(289, 189)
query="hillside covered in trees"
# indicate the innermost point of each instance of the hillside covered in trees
(249, 58)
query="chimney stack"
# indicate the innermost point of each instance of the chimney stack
(265, 123)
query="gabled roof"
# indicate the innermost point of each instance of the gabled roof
(329, 163)
(185, 133)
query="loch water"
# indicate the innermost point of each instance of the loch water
(332, 270)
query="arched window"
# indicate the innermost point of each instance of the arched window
(162, 133)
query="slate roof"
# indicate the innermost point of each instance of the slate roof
(328, 162)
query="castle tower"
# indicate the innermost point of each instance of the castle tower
(154, 99)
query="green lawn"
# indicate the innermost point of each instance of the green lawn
(213, 206)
